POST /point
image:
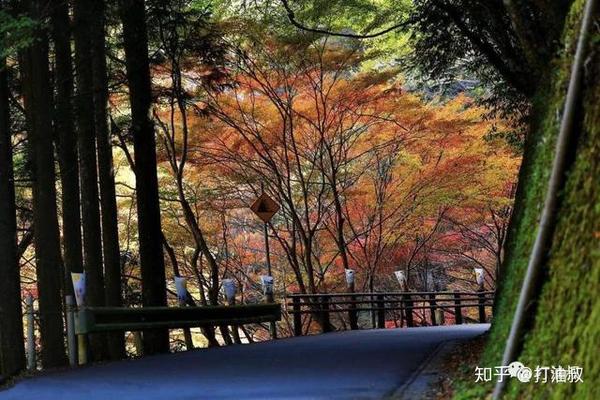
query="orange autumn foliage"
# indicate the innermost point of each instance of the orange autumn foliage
(348, 154)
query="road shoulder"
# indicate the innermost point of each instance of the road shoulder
(435, 376)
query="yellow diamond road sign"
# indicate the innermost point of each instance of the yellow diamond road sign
(265, 207)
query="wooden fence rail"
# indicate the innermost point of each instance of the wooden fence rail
(322, 305)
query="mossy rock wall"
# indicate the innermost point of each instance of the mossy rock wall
(565, 325)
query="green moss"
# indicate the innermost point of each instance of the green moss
(567, 324)
(565, 328)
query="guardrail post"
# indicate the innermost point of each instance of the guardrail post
(373, 316)
(440, 317)
(325, 314)
(235, 329)
(482, 317)
(433, 308)
(71, 339)
(296, 308)
(352, 315)
(30, 333)
(137, 341)
(83, 340)
(408, 310)
(187, 333)
(270, 298)
(380, 311)
(457, 309)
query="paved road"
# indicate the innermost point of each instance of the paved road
(368, 364)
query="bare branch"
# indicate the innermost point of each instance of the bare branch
(292, 17)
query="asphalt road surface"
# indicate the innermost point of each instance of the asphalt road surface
(370, 364)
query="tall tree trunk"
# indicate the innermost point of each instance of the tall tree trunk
(67, 146)
(87, 166)
(135, 37)
(12, 354)
(38, 105)
(110, 230)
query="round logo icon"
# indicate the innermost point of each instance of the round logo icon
(513, 368)
(524, 374)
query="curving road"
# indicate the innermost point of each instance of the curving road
(369, 364)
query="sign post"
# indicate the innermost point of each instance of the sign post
(265, 207)
(352, 314)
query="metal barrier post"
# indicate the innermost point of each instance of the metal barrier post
(482, 317)
(457, 309)
(352, 314)
(380, 311)
(408, 310)
(272, 325)
(71, 339)
(433, 309)
(234, 328)
(325, 314)
(82, 346)
(187, 333)
(31, 362)
(297, 316)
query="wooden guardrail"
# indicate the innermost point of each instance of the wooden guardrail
(323, 304)
(103, 319)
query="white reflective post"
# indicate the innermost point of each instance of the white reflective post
(401, 277)
(349, 277)
(352, 315)
(181, 289)
(229, 290)
(182, 293)
(71, 339)
(30, 333)
(479, 275)
(267, 286)
(78, 279)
